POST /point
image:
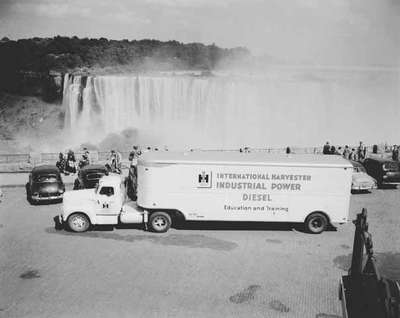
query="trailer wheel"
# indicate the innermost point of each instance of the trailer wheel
(316, 223)
(78, 222)
(160, 222)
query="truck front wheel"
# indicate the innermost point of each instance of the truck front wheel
(160, 222)
(316, 223)
(78, 222)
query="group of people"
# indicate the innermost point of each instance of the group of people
(354, 154)
(68, 164)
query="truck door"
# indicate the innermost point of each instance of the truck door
(108, 207)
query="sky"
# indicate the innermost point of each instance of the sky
(358, 33)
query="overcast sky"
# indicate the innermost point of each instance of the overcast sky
(328, 32)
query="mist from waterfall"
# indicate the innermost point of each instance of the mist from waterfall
(300, 108)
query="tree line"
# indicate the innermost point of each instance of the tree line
(23, 61)
(65, 54)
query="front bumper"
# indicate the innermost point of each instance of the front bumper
(363, 187)
(47, 198)
(391, 178)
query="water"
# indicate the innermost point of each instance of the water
(297, 108)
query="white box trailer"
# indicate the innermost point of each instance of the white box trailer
(225, 186)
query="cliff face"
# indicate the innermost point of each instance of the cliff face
(28, 122)
(48, 86)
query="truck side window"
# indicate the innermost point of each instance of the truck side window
(108, 191)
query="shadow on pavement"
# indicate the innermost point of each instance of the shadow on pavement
(183, 240)
(388, 186)
(244, 226)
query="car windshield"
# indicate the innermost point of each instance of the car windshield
(94, 176)
(46, 178)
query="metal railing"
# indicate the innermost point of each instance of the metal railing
(101, 156)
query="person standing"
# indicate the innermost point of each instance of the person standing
(353, 155)
(70, 166)
(84, 160)
(361, 151)
(132, 177)
(326, 150)
(60, 164)
(395, 153)
(346, 152)
(114, 161)
(134, 155)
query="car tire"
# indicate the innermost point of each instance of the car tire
(78, 222)
(160, 222)
(316, 223)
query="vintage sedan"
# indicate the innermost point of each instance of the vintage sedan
(45, 184)
(361, 181)
(89, 176)
(385, 171)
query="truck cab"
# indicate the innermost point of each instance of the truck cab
(104, 204)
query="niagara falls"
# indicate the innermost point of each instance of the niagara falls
(226, 111)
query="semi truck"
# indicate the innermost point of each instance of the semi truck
(219, 186)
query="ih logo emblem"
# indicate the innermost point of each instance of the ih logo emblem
(204, 180)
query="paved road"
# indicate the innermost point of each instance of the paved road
(200, 271)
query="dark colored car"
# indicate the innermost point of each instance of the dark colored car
(385, 171)
(45, 184)
(89, 176)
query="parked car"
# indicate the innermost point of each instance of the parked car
(45, 184)
(361, 181)
(89, 176)
(385, 171)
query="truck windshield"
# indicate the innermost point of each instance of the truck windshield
(108, 191)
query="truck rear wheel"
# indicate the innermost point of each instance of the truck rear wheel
(78, 222)
(316, 223)
(160, 222)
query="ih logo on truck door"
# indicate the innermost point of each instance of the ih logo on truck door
(204, 180)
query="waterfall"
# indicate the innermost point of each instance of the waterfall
(223, 111)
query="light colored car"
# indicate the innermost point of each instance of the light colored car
(361, 181)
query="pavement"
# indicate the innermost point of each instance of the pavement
(197, 270)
